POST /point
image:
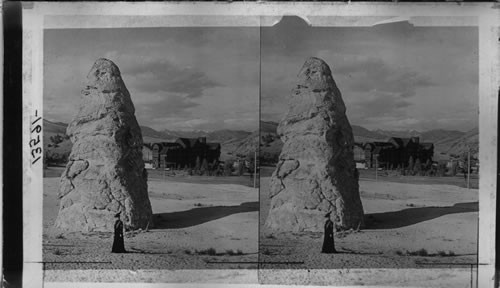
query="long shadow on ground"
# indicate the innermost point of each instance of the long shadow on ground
(407, 217)
(200, 215)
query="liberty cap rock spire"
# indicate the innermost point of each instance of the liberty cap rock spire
(105, 173)
(316, 170)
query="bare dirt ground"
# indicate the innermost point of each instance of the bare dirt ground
(405, 221)
(191, 219)
(459, 180)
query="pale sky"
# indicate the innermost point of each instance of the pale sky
(178, 78)
(391, 76)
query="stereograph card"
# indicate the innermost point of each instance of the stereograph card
(246, 144)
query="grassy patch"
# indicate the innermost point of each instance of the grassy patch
(209, 251)
(133, 233)
(266, 252)
(341, 234)
(345, 233)
(424, 253)
(232, 252)
(421, 252)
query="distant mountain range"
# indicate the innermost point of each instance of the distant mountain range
(446, 142)
(238, 142)
(221, 136)
(234, 142)
(52, 128)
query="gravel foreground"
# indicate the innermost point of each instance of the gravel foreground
(402, 218)
(198, 226)
(407, 226)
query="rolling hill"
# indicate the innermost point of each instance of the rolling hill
(53, 128)
(268, 127)
(469, 139)
(240, 146)
(223, 136)
(150, 135)
(362, 134)
(60, 150)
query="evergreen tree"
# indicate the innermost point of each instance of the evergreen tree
(251, 162)
(441, 170)
(241, 168)
(454, 168)
(228, 168)
(411, 163)
(428, 165)
(197, 165)
(204, 165)
(418, 166)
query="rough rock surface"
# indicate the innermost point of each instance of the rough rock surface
(316, 172)
(105, 173)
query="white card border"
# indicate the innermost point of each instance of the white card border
(35, 17)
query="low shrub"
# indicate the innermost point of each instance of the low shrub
(422, 252)
(266, 252)
(209, 251)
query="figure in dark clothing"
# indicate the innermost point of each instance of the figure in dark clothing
(328, 242)
(118, 244)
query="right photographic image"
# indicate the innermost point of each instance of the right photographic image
(369, 146)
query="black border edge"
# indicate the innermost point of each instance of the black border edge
(12, 146)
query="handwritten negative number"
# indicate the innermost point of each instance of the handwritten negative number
(36, 149)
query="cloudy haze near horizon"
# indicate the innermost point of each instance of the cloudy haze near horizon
(392, 76)
(179, 78)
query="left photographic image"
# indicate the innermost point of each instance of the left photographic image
(150, 139)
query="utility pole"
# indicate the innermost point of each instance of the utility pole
(376, 167)
(255, 170)
(468, 167)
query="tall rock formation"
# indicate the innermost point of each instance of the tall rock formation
(105, 173)
(316, 172)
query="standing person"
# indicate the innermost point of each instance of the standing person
(118, 244)
(328, 242)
